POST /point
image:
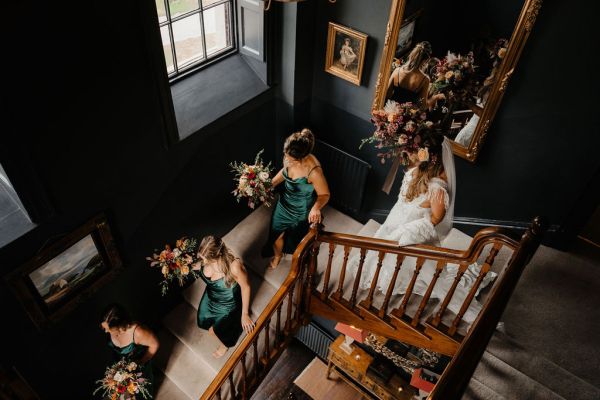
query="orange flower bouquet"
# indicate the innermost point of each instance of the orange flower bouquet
(175, 263)
(123, 381)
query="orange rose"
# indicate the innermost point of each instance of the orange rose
(132, 387)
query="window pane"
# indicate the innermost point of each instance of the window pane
(206, 3)
(178, 7)
(160, 8)
(164, 33)
(217, 29)
(188, 40)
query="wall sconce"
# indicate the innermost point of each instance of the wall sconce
(351, 334)
(268, 2)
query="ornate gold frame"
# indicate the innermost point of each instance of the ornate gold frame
(329, 66)
(519, 37)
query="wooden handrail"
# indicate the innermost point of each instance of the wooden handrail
(458, 373)
(263, 320)
(481, 239)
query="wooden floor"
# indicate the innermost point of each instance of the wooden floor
(279, 382)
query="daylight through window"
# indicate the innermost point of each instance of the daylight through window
(194, 31)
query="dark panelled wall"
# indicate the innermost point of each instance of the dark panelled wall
(81, 103)
(542, 148)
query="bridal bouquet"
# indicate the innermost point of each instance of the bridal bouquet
(398, 130)
(123, 381)
(253, 182)
(175, 263)
(454, 76)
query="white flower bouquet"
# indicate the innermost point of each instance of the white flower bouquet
(254, 182)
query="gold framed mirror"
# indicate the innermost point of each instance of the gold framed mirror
(468, 51)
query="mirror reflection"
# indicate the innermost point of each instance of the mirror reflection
(447, 59)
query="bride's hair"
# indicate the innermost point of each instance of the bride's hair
(418, 55)
(214, 249)
(299, 144)
(432, 168)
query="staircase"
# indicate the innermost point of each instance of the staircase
(185, 355)
(310, 284)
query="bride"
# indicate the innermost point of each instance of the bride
(423, 215)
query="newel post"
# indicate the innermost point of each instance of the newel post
(316, 229)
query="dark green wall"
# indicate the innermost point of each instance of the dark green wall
(540, 156)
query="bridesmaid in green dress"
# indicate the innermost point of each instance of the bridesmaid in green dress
(304, 194)
(224, 307)
(130, 340)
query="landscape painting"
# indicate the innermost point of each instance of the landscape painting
(66, 272)
(62, 275)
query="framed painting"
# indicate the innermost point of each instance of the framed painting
(345, 52)
(54, 282)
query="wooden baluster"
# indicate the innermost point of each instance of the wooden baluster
(482, 273)
(340, 290)
(278, 325)
(244, 378)
(297, 313)
(438, 270)
(312, 268)
(288, 317)
(325, 291)
(231, 385)
(390, 289)
(256, 364)
(438, 316)
(369, 300)
(400, 310)
(363, 252)
(267, 344)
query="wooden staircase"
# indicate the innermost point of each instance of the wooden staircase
(317, 281)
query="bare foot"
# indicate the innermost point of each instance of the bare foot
(275, 260)
(219, 352)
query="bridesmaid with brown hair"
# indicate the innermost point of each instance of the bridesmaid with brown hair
(304, 194)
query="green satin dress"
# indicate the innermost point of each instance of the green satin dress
(133, 352)
(291, 214)
(221, 308)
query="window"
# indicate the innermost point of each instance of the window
(14, 220)
(194, 32)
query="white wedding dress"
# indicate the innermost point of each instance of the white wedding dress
(408, 223)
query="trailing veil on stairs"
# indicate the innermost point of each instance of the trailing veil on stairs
(314, 282)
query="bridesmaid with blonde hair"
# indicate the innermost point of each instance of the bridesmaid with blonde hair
(224, 309)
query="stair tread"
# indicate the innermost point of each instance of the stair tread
(503, 378)
(540, 369)
(187, 371)
(168, 390)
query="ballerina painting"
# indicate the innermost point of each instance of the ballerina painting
(345, 52)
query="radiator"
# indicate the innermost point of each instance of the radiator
(315, 338)
(346, 176)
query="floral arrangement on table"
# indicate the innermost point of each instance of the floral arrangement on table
(123, 381)
(254, 182)
(398, 131)
(175, 263)
(454, 75)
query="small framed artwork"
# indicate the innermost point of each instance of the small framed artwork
(59, 278)
(345, 52)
